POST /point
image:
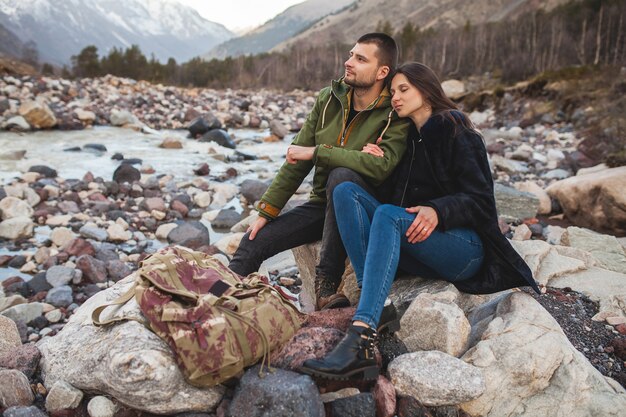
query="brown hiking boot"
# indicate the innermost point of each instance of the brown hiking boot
(327, 296)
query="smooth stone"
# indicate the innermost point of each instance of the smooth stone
(63, 396)
(60, 296)
(435, 378)
(101, 407)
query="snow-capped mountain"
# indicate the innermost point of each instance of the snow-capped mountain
(279, 29)
(61, 29)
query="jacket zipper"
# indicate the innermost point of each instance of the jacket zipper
(345, 116)
(408, 177)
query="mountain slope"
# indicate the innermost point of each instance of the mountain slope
(285, 25)
(364, 16)
(10, 44)
(61, 29)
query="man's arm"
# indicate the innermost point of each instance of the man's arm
(290, 175)
(374, 169)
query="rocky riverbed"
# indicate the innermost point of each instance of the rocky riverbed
(81, 209)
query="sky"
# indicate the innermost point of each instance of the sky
(237, 15)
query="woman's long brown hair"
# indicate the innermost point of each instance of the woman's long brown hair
(428, 84)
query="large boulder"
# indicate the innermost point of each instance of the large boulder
(596, 200)
(530, 368)
(38, 115)
(605, 249)
(125, 361)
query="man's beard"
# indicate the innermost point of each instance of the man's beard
(361, 84)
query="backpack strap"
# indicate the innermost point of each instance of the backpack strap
(122, 299)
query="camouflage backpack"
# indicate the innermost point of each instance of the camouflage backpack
(215, 321)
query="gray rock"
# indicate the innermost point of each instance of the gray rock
(219, 136)
(515, 205)
(24, 312)
(63, 396)
(278, 129)
(509, 165)
(31, 411)
(126, 173)
(558, 174)
(43, 170)
(253, 190)
(59, 275)
(360, 405)
(435, 322)
(100, 407)
(117, 269)
(122, 117)
(191, 234)
(15, 389)
(278, 394)
(60, 296)
(226, 219)
(92, 232)
(17, 123)
(435, 378)
(38, 283)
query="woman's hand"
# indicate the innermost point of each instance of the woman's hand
(256, 226)
(373, 149)
(297, 153)
(423, 225)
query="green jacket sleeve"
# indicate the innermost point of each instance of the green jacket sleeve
(374, 169)
(290, 176)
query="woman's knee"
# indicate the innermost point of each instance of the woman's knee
(386, 212)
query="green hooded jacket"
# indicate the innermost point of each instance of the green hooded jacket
(338, 145)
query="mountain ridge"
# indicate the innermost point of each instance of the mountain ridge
(164, 28)
(288, 23)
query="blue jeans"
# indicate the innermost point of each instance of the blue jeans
(374, 237)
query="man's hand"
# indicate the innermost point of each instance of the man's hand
(256, 226)
(423, 225)
(372, 149)
(297, 153)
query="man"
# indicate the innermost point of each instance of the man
(347, 116)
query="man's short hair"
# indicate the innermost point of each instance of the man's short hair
(387, 48)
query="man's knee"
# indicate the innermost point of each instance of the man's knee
(338, 176)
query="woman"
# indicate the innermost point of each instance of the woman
(441, 221)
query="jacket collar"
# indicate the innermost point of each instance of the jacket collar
(343, 92)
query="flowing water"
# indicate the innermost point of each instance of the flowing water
(50, 148)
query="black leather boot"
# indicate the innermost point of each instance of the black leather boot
(327, 296)
(353, 357)
(389, 320)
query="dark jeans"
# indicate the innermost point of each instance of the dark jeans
(306, 223)
(374, 236)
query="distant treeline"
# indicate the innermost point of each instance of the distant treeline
(587, 32)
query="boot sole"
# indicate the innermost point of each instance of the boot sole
(392, 326)
(368, 373)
